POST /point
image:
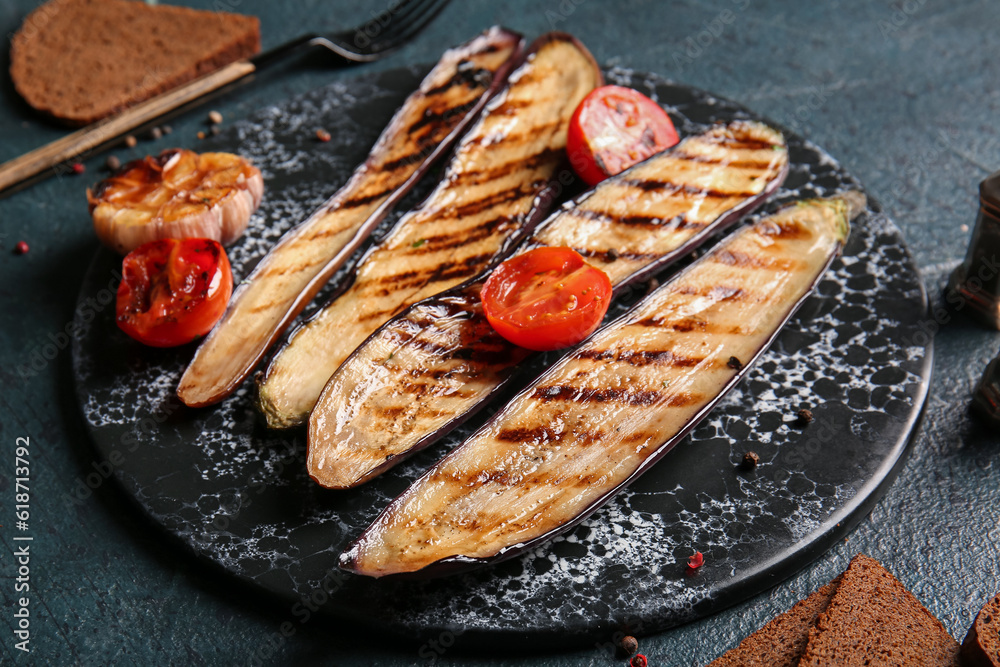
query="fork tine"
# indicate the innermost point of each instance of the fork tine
(408, 18)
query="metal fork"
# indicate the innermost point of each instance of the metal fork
(386, 32)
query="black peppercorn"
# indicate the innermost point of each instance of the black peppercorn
(750, 461)
(630, 645)
(735, 363)
(803, 417)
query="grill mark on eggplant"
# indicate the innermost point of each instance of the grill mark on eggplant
(509, 106)
(641, 357)
(687, 326)
(436, 242)
(788, 230)
(630, 397)
(433, 116)
(652, 185)
(538, 434)
(404, 161)
(608, 256)
(489, 201)
(532, 161)
(725, 162)
(456, 268)
(648, 221)
(469, 76)
(354, 202)
(716, 292)
(478, 360)
(421, 388)
(743, 144)
(747, 261)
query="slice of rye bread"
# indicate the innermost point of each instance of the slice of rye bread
(981, 647)
(780, 643)
(82, 60)
(873, 620)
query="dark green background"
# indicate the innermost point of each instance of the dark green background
(905, 94)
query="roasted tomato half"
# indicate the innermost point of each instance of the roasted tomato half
(546, 298)
(173, 291)
(613, 129)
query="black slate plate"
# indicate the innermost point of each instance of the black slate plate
(238, 496)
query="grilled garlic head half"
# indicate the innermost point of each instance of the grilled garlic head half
(175, 195)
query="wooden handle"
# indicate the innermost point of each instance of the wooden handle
(94, 135)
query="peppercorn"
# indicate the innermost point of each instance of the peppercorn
(155, 133)
(131, 141)
(735, 363)
(214, 117)
(112, 163)
(323, 135)
(78, 168)
(638, 660)
(21, 248)
(612, 255)
(803, 417)
(750, 461)
(629, 644)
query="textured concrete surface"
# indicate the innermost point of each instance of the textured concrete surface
(903, 93)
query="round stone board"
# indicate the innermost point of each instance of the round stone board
(237, 495)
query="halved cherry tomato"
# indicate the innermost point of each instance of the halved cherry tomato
(173, 291)
(546, 298)
(613, 129)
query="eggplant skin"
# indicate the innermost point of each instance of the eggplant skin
(493, 193)
(432, 367)
(293, 271)
(611, 408)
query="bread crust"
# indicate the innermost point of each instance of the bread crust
(981, 647)
(780, 643)
(82, 60)
(873, 620)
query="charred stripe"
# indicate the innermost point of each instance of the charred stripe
(641, 357)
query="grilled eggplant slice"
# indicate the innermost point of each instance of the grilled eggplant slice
(496, 189)
(428, 369)
(610, 409)
(288, 277)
